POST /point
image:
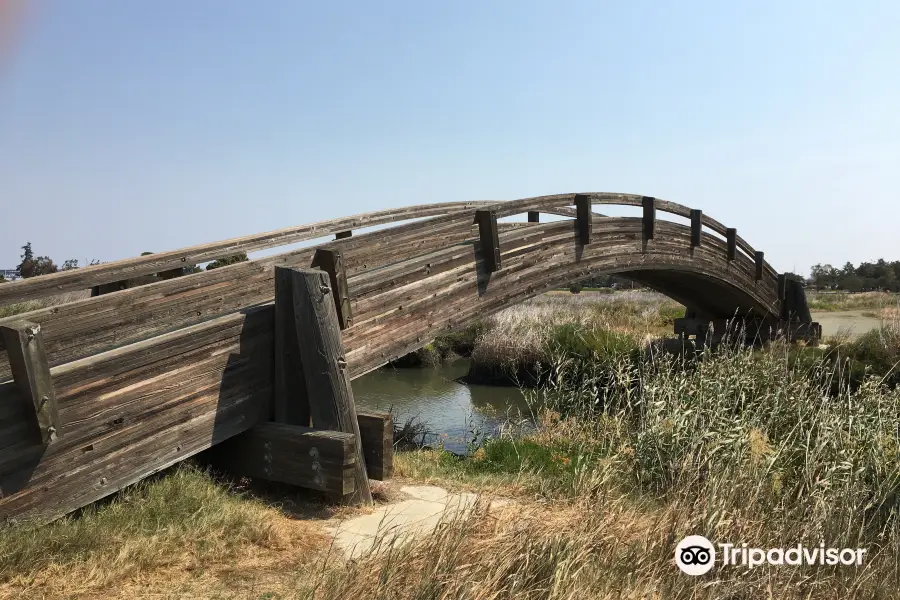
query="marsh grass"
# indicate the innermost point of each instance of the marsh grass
(521, 344)
(742, 447)
(181, 520)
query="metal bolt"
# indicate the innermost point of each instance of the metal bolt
(314, 452)
(51, 433)
(342, 363)
(103, 481)
(44, 400)
(325, 289)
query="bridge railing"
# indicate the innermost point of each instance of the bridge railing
(142, 377)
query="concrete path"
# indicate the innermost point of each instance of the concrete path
(400, 522)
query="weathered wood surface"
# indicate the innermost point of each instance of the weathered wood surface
(292, 454)
(31, 373)
(132, 411)
(291, 402)
(376, 432)
(325, 367)
(87, 277)
(147, 376)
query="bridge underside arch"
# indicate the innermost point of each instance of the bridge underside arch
(451, 288)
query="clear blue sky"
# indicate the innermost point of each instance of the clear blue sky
(132, 126)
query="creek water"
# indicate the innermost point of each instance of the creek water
(453, 412)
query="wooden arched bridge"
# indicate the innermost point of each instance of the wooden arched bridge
(159, 363)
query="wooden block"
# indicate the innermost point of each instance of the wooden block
(325, 367)
(343, 235)
(731, 241)
(291, 402)
(534, 216)
(24, 344)
(490, 239)
(649, 219)
(292, 454)
(696, 227)
(376, 432)
(331, 261)
(760, 264)
(584, 222)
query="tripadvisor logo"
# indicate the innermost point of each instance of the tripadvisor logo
(696, 555)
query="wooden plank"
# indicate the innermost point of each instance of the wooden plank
(649, 218)
(760, 263)
(730, 241)
(88, 277)
(325, 368)
(534, 216)
(292, 454)
(331, 261)
(490, 239)
(31, 373)
(130, 412)
(376, 430)
(291, 399)
(583, 219)
(696, 227)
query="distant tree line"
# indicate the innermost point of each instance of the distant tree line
(878, 275)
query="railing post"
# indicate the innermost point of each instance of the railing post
(696, 227)
(584, 223)
(325, 367)
(649, 219)
(342, 235)
(731, 241)
(534, 216)
(31, 372)
(490, 238)
(760, 263)
(332, 262)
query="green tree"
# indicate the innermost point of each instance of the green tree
(228, 260)
(32, 266)
(70, 264)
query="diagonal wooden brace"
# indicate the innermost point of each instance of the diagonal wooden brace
(28, 361)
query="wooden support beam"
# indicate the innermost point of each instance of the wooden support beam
(731, 241)
(24, 344)
(649, 219)
(343, 235)
(584, 221)
(292, 454)
(782, 296)
(325, 367)
(696, 227)
(490, 238)
(376, 431)
(331, 261)
(760, 264)
(291, 402)
(534, 216)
